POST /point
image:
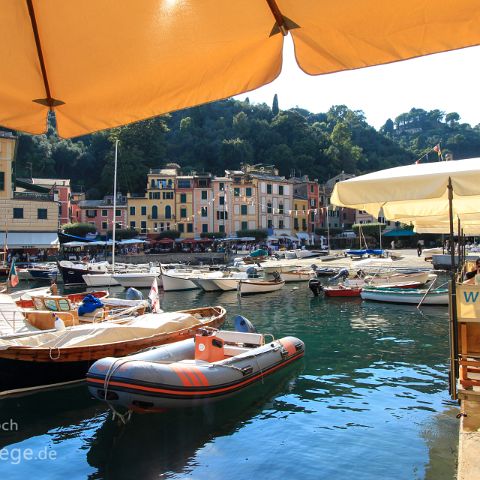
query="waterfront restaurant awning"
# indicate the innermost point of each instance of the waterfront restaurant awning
(65, 56)
(399, 233)
(30, 239)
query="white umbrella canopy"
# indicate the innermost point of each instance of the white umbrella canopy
(414, 191)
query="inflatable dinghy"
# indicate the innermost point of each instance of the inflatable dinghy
(211, 366)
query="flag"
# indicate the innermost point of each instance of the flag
(13, 277)
(153, 297)
(436, 148)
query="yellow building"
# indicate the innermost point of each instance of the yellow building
(155, 211)
(29, 216)
(300, 214)
(242, 201)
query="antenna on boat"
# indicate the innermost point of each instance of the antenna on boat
(114, 206)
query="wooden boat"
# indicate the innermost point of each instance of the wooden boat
(52, 358)
(72, 297)
(342, 291)
(251, 286)
(196, 371)
(406, 295)
(299, 275)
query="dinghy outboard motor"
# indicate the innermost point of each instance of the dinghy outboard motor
(341, 275)
(315, 286)
(134, 294)
(243, 325)
(276, 276)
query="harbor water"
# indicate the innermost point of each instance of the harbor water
(368, 401)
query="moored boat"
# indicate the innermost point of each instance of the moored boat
(212, 366)
(342, 291)
(251, 286)
(55, 357)
(406, 295)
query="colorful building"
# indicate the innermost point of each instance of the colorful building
(184, 205)
(203, 204)
(101, 214)
(222, 205)
(28, 212)
(62, 194)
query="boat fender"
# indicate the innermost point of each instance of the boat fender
(59, 324)
(242, 324)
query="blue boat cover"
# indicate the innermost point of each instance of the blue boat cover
(89, 304)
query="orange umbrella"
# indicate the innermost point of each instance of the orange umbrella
(104, 63)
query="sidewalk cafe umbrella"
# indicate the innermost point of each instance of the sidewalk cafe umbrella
(419, 193)
(102, 63)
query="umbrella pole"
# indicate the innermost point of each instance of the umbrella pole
(453, 303)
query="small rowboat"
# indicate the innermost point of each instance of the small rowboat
(251, 286)
(342, 291)
(59, 356)
(406, 295)
(214, 365)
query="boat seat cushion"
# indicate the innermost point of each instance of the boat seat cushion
(240, 337)
(232, 351)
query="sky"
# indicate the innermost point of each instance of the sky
(445, 81)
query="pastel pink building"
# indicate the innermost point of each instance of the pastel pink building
(62, 195)
(100, 213)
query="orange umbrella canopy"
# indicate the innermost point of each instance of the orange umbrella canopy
(103, 63)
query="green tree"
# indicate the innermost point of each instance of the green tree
(275, 109)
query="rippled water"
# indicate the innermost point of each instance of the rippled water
(368, 401)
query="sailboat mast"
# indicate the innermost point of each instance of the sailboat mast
(114, 205)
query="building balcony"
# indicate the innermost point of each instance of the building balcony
(33, 196)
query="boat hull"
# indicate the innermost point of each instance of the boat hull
(409, 296)
(99, 280)
(174, 284)
(43, 367)
(250, 287)
(342, 292)
(136, 280)
(150, 386)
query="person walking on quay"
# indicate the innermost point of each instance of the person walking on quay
(419, 248)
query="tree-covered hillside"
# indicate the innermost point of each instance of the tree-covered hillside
(224, 134)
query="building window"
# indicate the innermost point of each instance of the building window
(190, 227)
(154, 211)
(304, 224)
(168, 195)
(269, 188)
(132, 224)
(236, 192)
(203, 183)
(104, 225)
(221, 186)
(221, 200)
(280, 208)
(2, 180)
(132, 211)
(183, 213)
(184, 184)
(204, 227)
(144, 210)
(42, 214)
(280, 224)
(181, 227)
(312, 216)
(118, 213)
(243, 210)
(280, 189)
(313, 203)
(270, 224)
(143, 226)
(269, 207)
(311, 189)
(221, 228)
(91, 213)
(168, 211)
(222, 215)
(104, 213)
(248, 192)
(295, 223)
(204, 194)
(204, 211)
(183, 198)
(244, 226)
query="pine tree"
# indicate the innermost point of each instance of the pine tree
(275, 108)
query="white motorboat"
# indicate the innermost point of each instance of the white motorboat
(398, 278)
(137, 279)
(208, 284)
(99, 280)
(300, 275)
(406, 295)
(251, 286)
